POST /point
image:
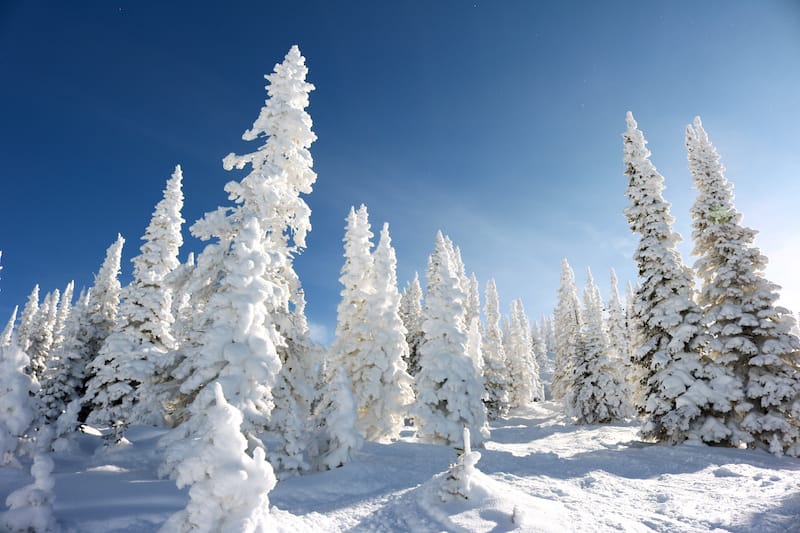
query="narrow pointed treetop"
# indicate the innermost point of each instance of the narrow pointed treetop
(282, 167)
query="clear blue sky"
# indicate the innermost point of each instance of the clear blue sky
(498, 122)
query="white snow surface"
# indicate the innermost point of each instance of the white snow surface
(537, 473)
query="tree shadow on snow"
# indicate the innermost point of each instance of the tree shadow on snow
(633, 460)
(783, 517)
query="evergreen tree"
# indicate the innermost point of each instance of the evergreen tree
(568, 343)
(525, 385)
(16, 411)
(616, 325)
(236, 348)
(495, 371)
(448, 390)
(8, 331)
(751, 335)
(63, 378)
(228, 488)
(281, 171)
(101, 315)
(40, 339)
(411, 313)
(27, 321)
(539, 351)
(64, 309)
(473, 301)
(126, 369)
(30, 508)
(337, 436)
(549, 333)
(680, 388)
(598, 393)
(384, 393)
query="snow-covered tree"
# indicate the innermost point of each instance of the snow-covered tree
(384, 392)
(411, 313)
(27, 321)
(126, 370)
(680, 388)
(64, 309)
(40, 339)
(525, 385)
(598, 394)
(616, 324)
(473, 301)
(100, 317)
(539, 349)
(495, 372)
(449, 391)
(237, 348)
(16, 410)
(568, 324)
(281, 171)
(228, 488)
(30, 508)
(751, 334)
(549, 333)
(63, 379)
(337, 436)
(8, 331)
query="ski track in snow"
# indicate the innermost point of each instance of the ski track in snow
(537, 473)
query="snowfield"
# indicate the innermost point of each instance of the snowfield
(536, 473)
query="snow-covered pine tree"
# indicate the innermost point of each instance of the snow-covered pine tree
(41, 334)
(126, 370)
(616, 325)
(101, 315)
(525, 385)
(676, 381)
(540, 354)
(27, 321)
(751, 335)
(281, 171)
(473, 301)
(337, 437)
(64, 308)
(237, 348)
(448, 391)
(8, 331)
(495, 371)
(16, 409)
(598, 394)
(381, 384)
(64, 377)
(568, 342)
(228, 488)
(411, 313)
(549, 332)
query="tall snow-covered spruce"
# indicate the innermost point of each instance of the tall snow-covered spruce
(525, 385)
(496, 376)
(599, 395)
(411, 313)
(568, 342)
(750, 335)
(680, 389)
(386, 393)
(249, 332)
(449, 391)
(129, 363)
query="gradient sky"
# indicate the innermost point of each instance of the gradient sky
(497, 122)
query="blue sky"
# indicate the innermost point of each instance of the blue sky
(497, 122)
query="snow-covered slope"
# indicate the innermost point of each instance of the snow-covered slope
(537, 473)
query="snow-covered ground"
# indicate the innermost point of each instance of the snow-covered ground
(537, 473)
